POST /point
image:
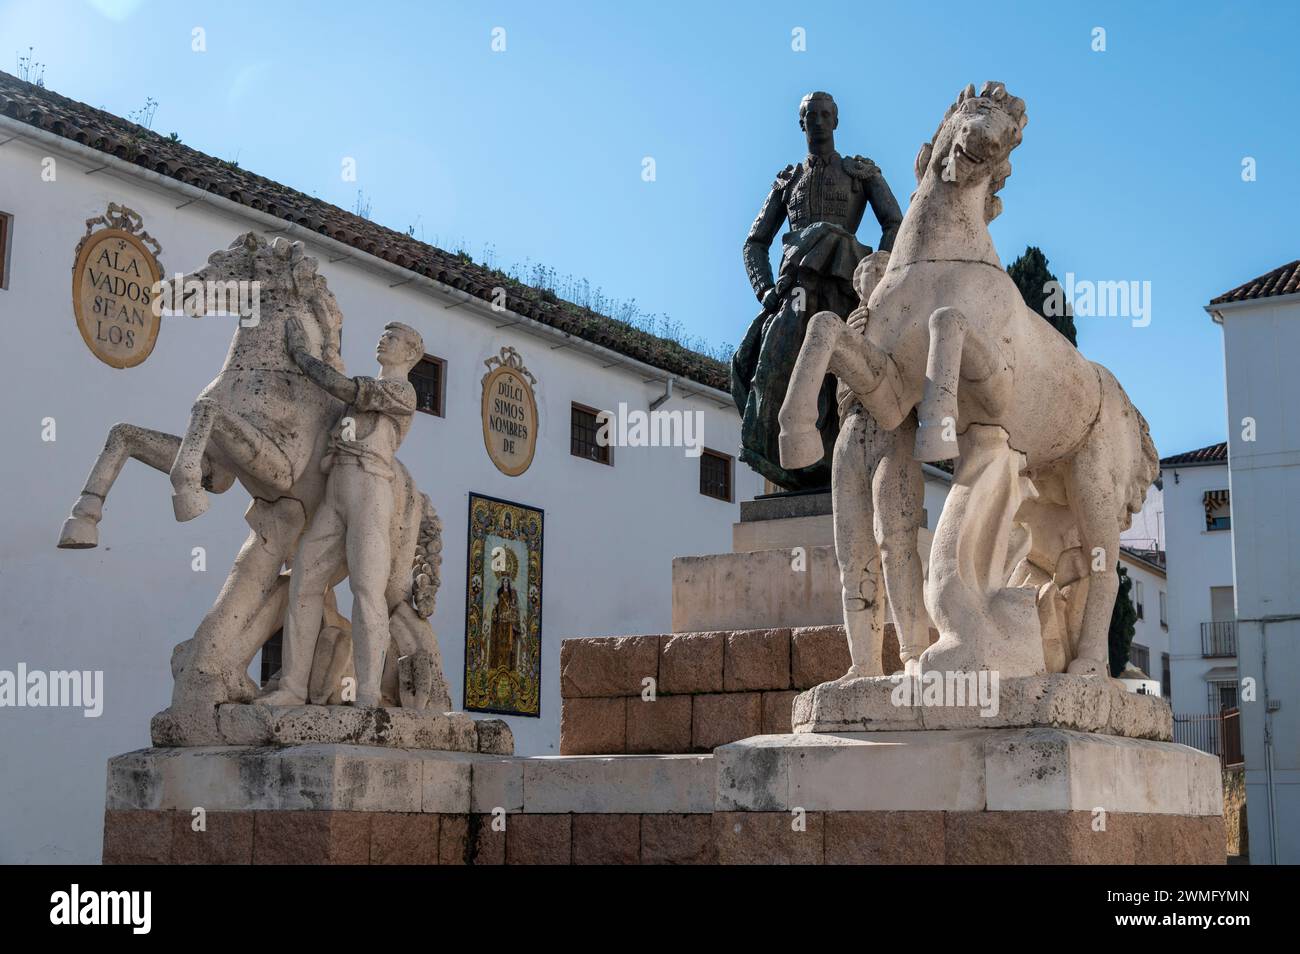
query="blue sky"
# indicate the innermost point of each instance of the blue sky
(1130, 167)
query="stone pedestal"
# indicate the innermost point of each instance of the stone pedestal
(968, 796)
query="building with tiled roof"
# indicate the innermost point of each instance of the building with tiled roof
(1284, 280)
(124, 140)
(1210, 454)
(610, 520)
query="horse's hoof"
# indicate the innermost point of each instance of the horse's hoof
(1085, 667)
(801, 448)
(188, 504)
(79, 533)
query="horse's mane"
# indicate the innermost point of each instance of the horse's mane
(996, 93)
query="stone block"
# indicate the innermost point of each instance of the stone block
(627, 784)
(606, 839)
(1084, 703)
(497, 783)
(678, 840)
(470, 840)
(607, 665)
(311, 838)
(226, 840)
(818, 654)
(725, 717)
(884, 838)
(756, 659)
(768, 838)
(404, 838)
(593, 726)
(691, 663)
(661, 726)
(495, 737)
(539, 840)
(783, 534)
(138, 837)
(731, 591)
(777, 708)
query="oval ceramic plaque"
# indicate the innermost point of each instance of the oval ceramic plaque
(509, 413)
(112, 297)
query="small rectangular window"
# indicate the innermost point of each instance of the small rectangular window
(715, 475)
(6, 226)
(1164, 610)
(429, 378)
(1164, 675)
(1137, 598)
(583, 429)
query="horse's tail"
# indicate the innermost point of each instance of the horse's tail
(425, 568)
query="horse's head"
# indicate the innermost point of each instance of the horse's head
(973, 144)
(253, 272)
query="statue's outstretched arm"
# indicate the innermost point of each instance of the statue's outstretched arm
(336, 383)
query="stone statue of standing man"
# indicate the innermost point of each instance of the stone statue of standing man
(824, 197)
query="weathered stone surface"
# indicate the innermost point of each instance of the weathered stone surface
(304, 725)
(1038, 769)
(590, 726)
(495, 737)
(606, 839)
(922, 771)
(730, 591)
(470, 839)
(678, 840)
(768, 838)
(1084, 703)
(404, 838)
(691, 662)
(785, 507)
(756, 659)
(607, 666)
(138, 837)
(725, 717)
(785, 534)
(317, 777)
(777, 711)
(678, 784)
(539, 840)
(311, 838)
(226, 840)
(884, 838)
(497, 784)
(662, 726)
(818, 654)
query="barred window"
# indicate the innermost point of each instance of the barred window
(429, 378)
(715, 475)
(583, 429)
(1140, 656)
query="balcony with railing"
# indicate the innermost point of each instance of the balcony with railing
(1219, 638)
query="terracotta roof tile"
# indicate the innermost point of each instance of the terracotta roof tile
(1213, 454)
(107, 133)
(1280, 281)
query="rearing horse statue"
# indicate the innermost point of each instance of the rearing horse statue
(262, 423)
(1052, 457)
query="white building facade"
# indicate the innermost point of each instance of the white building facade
(611, 529)
(1261, 344)
(1198, 533)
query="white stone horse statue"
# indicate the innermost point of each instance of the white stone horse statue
(263, 423)
(1052, 458)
